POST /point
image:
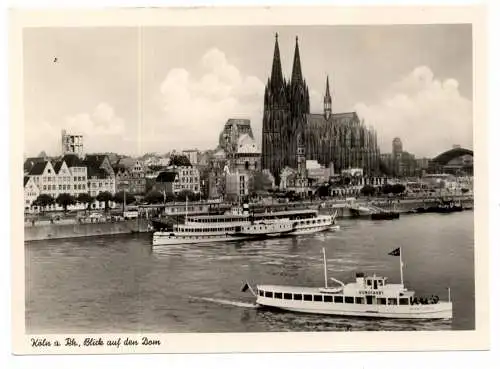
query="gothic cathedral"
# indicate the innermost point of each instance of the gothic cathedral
(340, 139)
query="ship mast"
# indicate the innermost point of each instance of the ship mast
(325, 268)
(401, 264)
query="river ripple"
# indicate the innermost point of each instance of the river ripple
(119, 284)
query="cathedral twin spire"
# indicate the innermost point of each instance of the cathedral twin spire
(277, 82)
(276, 72)
(296, 69)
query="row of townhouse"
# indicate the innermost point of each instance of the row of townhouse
(178, 179)
(130, 176)
(69, 175)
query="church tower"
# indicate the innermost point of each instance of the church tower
(299, 106)
(276, 118)
(301, 162)
(327, 101)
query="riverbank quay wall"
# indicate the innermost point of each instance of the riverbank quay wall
(56, 231)
(400, 206)
(342, 207)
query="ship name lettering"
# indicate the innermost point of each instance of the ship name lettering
(371, 292)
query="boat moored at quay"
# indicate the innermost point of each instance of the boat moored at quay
(239, 224)
(369, 296)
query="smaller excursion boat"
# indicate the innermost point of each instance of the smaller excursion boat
(368, 296)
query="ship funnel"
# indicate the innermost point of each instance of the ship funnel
(246, 208)
(360, 278)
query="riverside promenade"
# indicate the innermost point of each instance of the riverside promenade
(343, 207)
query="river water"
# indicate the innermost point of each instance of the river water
(120, 284)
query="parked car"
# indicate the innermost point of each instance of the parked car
(130, 214)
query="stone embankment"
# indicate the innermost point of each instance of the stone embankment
(55, 231)
(342, 207)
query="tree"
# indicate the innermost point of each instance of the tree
(106, 197)
(387, 189)
(368, 190)
(64, 200)
(345, 181)
(154, 197)
(323, 191)
(43, 200)
(85, 198)
(191, 196)
(150, 182)
(385, 169)
(260, 182)
(180, 161)
(156, 168)
(118, 198)
(398, 188)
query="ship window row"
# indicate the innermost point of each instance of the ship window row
(204, 230)
(214, 220)
(238, 219)
(315, 221)
(335, 299)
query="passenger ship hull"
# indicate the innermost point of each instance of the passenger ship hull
(441, 310)
(303, 226)
(164, 239)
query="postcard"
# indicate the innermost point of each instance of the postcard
(280, 179)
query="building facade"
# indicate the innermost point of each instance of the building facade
(189, 179)
(130, 176)
(68, 175)
(192, 155)
(237, 184)
(31, 192)
(400, 163)
(71, 144)
(340, 138)
(167, 183)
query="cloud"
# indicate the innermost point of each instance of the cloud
(102, 129)
(428, 114)
(196, 108)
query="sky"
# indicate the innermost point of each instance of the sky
(154, 89)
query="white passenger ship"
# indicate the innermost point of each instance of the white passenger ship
(369, 296)
(240, 225)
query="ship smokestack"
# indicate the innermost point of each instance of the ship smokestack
(360, 278)
(246, 208)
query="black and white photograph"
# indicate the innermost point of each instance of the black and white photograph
(240, 178)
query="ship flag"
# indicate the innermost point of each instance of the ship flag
(396, 252)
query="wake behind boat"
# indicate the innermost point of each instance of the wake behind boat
(368, 296)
